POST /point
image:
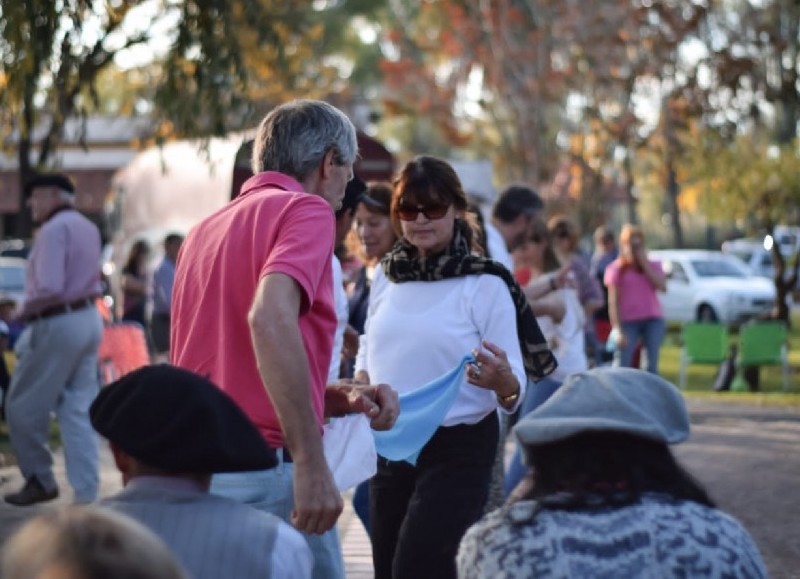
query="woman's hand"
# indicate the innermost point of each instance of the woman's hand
(492, 371)
(622, 341)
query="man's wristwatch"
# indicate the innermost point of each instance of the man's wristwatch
(509, 400)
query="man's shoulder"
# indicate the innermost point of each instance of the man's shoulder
(497, 246)
(280, 204)
(218, 508)
(164, 266)
(71, 218)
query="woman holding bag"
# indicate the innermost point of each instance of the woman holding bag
(432, 301)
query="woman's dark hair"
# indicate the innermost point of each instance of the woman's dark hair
(550, 260)
(563, 226)
(377, 197)
(480, 229)
(429, 180)
(608, 469)
(138, 249)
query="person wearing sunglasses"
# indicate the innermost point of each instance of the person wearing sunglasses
(566, 237)
(561, 318)
(433, 301)
(517, 209)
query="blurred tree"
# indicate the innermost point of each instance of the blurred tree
(743, 156)
(205, 64)
(530, 82)
(750, 179)
(752, 62)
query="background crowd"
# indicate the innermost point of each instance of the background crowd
(313, 297)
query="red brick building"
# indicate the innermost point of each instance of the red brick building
(109, 145)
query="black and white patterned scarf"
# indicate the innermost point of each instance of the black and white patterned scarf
(403, 264)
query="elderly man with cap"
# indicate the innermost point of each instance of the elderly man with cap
(57, 351)
(607, 497)
(169, 431)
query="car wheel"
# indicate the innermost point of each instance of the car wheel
(706, 314)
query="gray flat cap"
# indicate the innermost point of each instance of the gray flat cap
(610, 399)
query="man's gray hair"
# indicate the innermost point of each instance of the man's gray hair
(294, 137)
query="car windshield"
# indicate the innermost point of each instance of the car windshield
(742, 254)
(717, 268)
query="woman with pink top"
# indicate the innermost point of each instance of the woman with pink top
(633, 307)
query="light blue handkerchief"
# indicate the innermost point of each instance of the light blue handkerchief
(421, 413)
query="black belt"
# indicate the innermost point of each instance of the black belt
(59, 309)
(287, 456)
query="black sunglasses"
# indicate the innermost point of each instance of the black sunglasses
(407, 212)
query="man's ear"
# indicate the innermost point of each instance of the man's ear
(328, 163)
(121, 458)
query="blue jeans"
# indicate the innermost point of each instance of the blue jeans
(651, 333)
(535, 396)
(271, 491)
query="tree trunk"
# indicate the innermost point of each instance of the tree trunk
(784, 285)
(20, 224)
(633, 217)
(673, 190)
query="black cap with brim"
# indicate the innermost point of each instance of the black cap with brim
(57, 180)
(177, 421)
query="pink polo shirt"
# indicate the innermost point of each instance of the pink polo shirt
(638, 297)
(272, 227)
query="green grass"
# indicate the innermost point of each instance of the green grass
(700, 378)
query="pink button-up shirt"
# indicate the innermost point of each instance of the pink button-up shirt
(64, 264)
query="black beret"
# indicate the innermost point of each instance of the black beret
(58, 180)
(172, 419)
(352, 194)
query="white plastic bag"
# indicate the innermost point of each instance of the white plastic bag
(350, 450)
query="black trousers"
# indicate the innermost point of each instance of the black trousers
(418, 514)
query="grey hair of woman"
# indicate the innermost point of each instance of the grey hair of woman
(294, 137)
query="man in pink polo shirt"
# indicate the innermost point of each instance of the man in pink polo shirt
(252, 310)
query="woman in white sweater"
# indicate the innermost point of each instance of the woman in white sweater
(432, 301)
